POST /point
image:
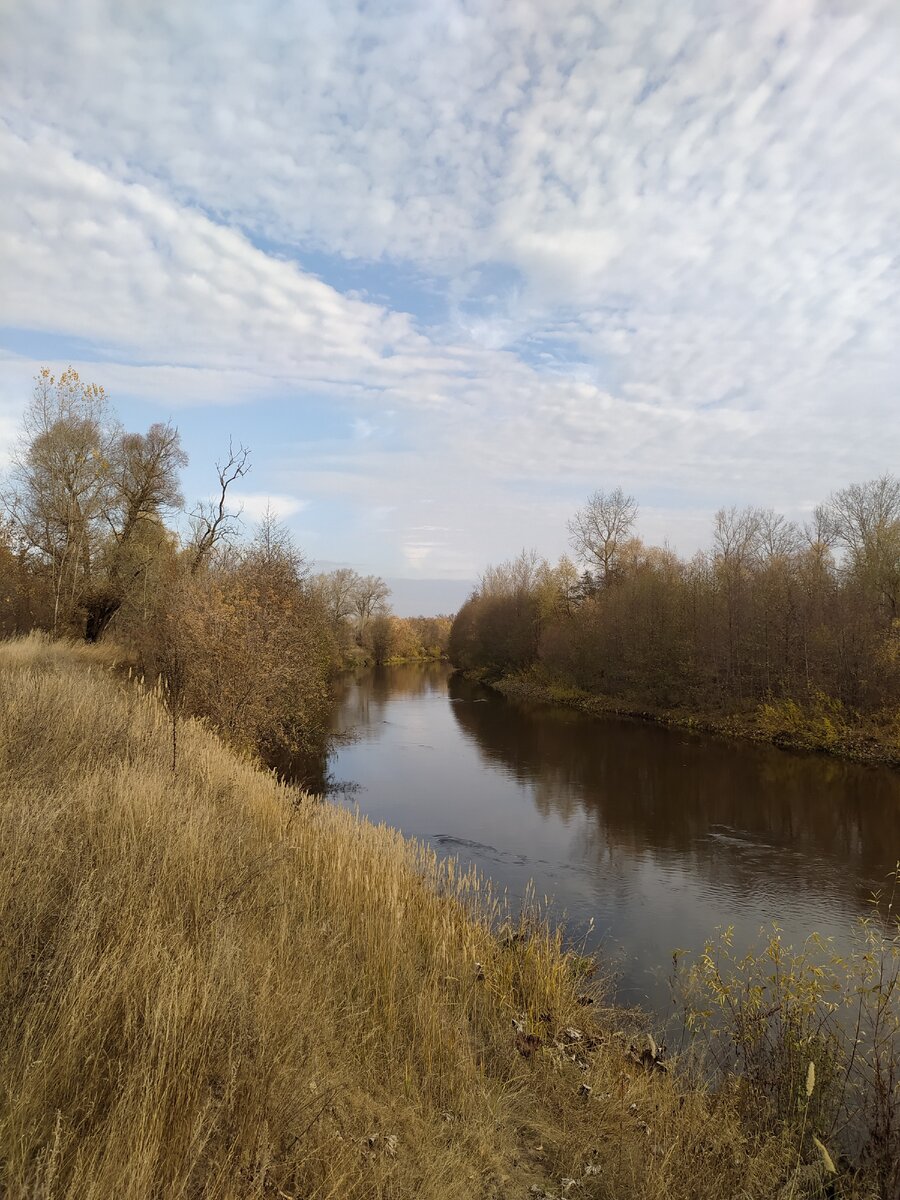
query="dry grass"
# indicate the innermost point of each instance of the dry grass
(212, 986)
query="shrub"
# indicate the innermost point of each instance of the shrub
(762, 1018)
(819, 723)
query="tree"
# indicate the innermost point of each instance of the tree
(866, 522)
(370, 597)
(736, 535)
(212, 522)
(597, 531)
(767, 615)
(144, 485)
(60, 483)
(336, 590)
(566, 577)
(382, 638)
(273, 549)
(82, 493)
(22, 601)
(778, 538)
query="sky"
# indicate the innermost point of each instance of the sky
(447, 268)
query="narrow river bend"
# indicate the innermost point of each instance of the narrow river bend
(657, 834)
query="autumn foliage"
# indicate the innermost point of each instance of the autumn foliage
(798, 628)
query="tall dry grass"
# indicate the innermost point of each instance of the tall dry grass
(214, 986)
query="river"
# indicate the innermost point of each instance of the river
(658, 835)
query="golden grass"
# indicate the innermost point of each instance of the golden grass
(212, 986)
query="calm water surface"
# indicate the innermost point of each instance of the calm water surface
(658, 835)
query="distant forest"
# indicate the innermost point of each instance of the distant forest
(798, 624)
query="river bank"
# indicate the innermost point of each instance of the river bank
(821, 726)
(212, 986)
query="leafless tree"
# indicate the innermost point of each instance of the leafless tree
(336, 591)
(866, 522)
(597, 531)
(778, 537)
(736, 535)
(212, 521)
(370, 597)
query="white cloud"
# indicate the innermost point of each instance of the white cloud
(691, 212)
(255, 505)
(122, 265)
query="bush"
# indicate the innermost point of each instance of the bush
(762, 1018)
(247, 646)
(820, 723)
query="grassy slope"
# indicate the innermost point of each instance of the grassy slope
(212, 986)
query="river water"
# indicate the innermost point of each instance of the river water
(658, 835)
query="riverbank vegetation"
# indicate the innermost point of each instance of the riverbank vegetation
(213, 986)
(96, 541)
(785, 633)
(363, 627)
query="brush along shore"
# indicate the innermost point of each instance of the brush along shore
(214, 986)
(819, 724)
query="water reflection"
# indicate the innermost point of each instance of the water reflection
(643, 787)
(656, 834)
(361, 698)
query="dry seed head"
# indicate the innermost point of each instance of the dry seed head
(826, 1157)
(810, 1078)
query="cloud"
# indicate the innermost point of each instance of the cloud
(121, 265)
(363, 429)
(255, 505)
(660, 245)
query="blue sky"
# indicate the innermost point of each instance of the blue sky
(449, 267)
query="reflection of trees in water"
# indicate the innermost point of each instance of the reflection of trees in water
(360, 697)
(730, 806)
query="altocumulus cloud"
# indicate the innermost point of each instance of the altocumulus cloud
(527, 249)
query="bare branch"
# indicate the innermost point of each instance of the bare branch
(212, 521)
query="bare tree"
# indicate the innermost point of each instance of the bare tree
(212, 521)
(819, 532)
(336, 590)
(515, 578)
(736, 535)
(370, 596)
(866, 522)
(597, 531)
(274, 548)
(778, 537)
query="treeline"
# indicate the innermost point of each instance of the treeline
(796, 624)
(96, 540)
(364, 628)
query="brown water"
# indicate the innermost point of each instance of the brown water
(658, 835)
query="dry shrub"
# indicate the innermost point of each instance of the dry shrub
(247, 646)
(768, 1022)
